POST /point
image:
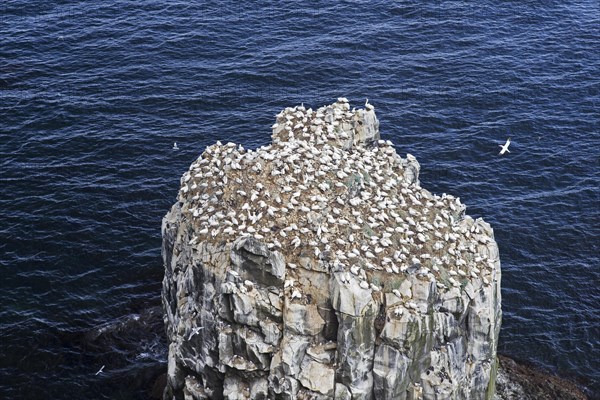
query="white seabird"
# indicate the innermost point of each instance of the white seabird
(175, 146)
(100, 370)
(505, 147)
(195, 331)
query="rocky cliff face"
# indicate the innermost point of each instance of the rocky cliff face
(318, 268)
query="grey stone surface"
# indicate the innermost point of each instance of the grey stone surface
(318, 268)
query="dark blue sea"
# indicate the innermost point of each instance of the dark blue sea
(94, 93)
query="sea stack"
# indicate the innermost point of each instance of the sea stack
(317, 267)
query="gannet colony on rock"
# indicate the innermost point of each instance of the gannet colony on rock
(317, 267)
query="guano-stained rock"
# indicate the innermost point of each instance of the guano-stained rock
(318, 267)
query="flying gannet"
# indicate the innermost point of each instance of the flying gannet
(195, 331)
(505, 147)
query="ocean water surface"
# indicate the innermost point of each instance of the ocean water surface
(93, 95)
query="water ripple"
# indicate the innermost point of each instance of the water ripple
(92, 96)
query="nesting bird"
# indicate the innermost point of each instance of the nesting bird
(319, 192)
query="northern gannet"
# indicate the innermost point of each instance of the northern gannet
(505, 147)
(195, 331)
(175, 146)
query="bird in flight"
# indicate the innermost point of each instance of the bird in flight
(504, 147)
(100, 370)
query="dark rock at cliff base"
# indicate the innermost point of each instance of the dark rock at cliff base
(516, 381)
(131, 351)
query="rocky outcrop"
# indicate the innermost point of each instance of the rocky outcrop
(517, 381)
(317, 267)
